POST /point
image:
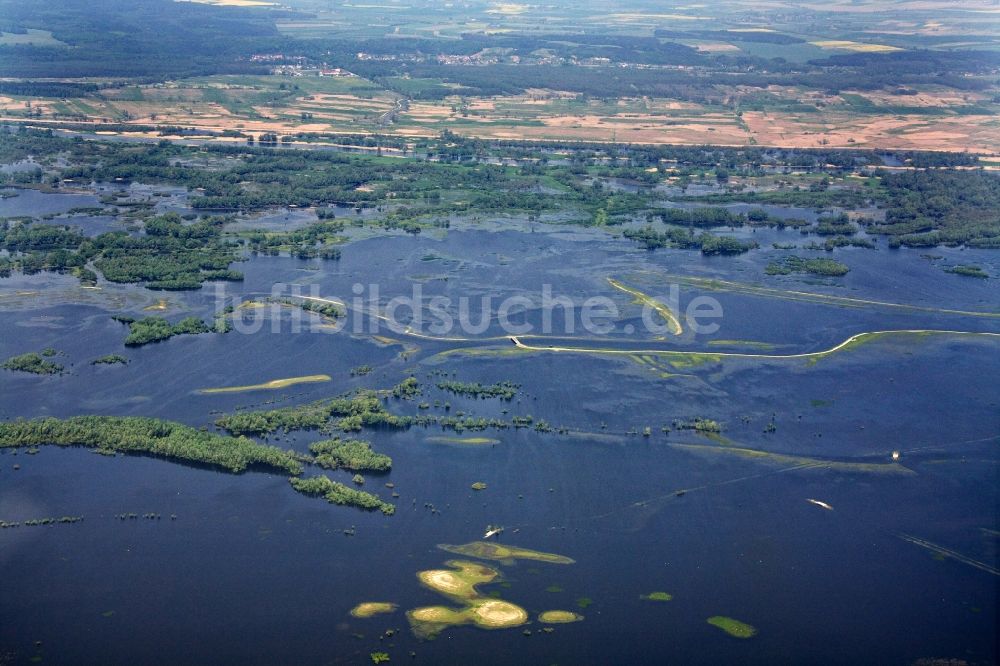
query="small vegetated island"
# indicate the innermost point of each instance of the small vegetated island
(372, 608)
(110, 359)
(822, 267)
(34, 363)
(337, 493)
(460, 582)
(132, 434)
(504, 390)
(968, 271)
(156, 329)
(734, 628)
(352, 454)
(361, 409)
(559, 617)
(173, 441)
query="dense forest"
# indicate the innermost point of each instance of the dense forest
(149, 40)
(170, 255)
(923, 207)
(928, 208)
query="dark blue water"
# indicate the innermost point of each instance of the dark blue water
(251, 572)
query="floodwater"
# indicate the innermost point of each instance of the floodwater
(250, 572)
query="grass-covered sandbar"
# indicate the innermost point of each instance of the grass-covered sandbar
(558, 617)
(734, 628)
(372, 608)
(648, 301)
(459, 584)
(268, 385)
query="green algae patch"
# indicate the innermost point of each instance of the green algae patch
(860, 339)
(657, 596)
(661, 369)
(559, 617)
(268, 386)
(373, 608)
(487, 550)
(734, 628)
(463, 441)
(801, 462)
(478, 485)
(689, 360)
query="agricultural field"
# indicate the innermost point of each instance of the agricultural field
(778, 116)
(797, 76)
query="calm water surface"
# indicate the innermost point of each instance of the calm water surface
(252, 573)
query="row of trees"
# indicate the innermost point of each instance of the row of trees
(822, 267)
(131, 434)
(681, 238)
(504, 390)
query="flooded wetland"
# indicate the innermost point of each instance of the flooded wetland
(610, 463)
(577, 333)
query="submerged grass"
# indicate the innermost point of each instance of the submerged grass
(812, 297)
(803, 462)
(463, 441)
(488, 550)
